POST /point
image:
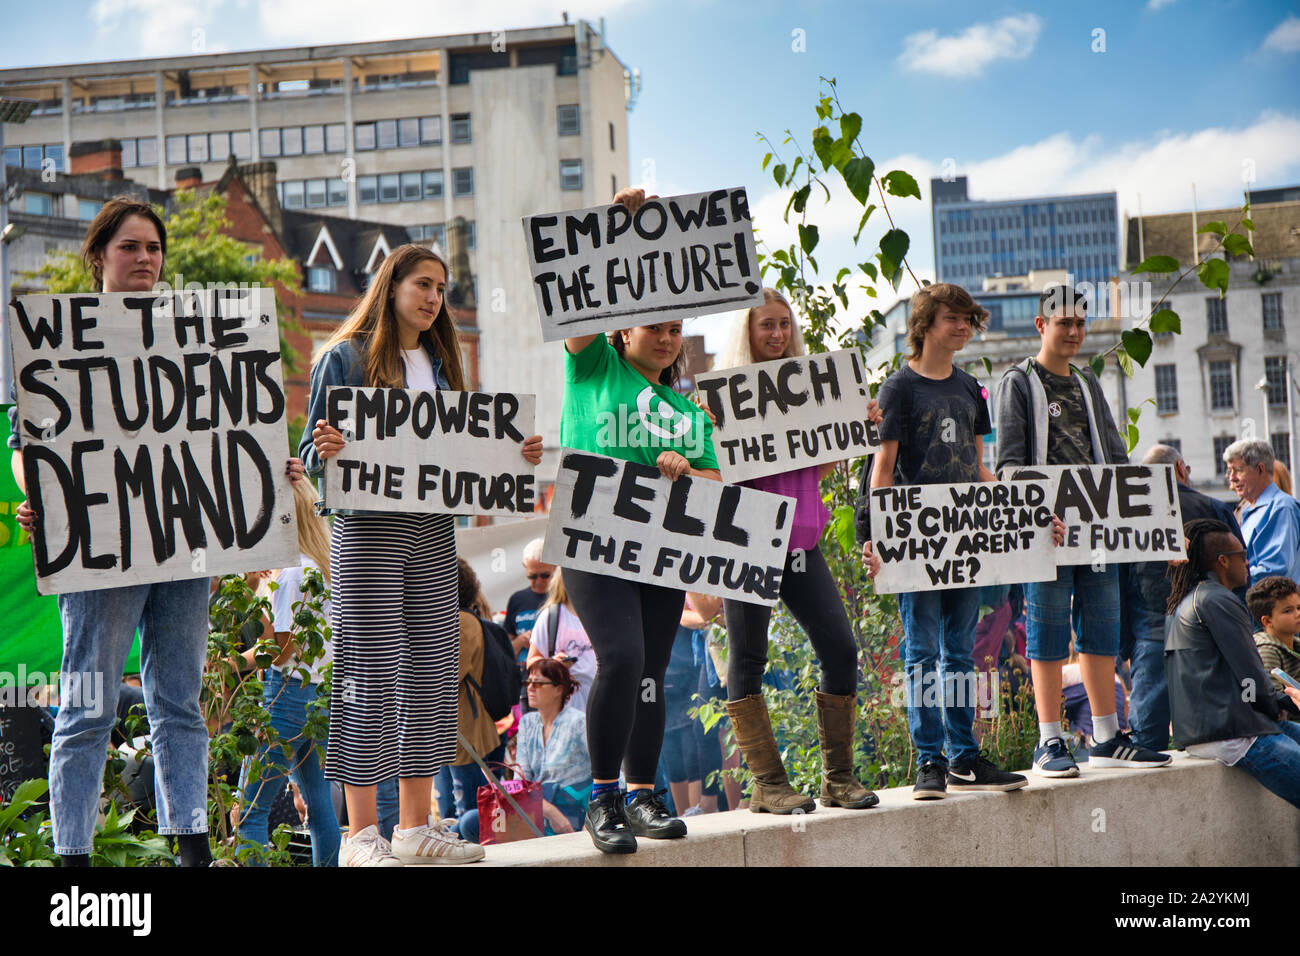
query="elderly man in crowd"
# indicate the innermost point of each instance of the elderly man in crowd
(1270, 518)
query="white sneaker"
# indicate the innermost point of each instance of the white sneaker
(367, 848)
(434, 844)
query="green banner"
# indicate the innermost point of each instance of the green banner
(32, 634)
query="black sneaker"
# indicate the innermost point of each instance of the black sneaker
(931, 782)
(648, 817)
(1121, 751)
(607, 824)
(1052, 758)
(981, 774)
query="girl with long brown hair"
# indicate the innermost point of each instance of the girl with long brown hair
(395, 621)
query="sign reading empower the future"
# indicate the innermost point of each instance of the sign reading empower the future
(153, 436)
(1113, 513)
(606, 268)
(430, 451)
(789, 413)
(932, 537)
(624, 519)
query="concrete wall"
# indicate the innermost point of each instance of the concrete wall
(1194, 813)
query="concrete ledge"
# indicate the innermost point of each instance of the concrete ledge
(1193, 813)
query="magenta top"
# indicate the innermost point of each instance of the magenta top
(810, 514)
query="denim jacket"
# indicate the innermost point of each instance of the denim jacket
(341, 365)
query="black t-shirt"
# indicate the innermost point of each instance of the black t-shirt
(936, 423)
(1069, 435)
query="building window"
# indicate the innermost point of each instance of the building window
(431, 130)
(313, 139)
(241, 144)
(1166, 389)
(367, 189)
(88, 209)
(438, 233)
(1275, 376)
(386, 134)
(411, 187)
(433, 184)
(462, 181)
(1175, 443)
(408, 132)
(1281, 442)
(471, 236)
(322, 279)
(568, 120)
(218, 147)
(335, 138)
(315, 193)
(269, 142)
(338, 191)
(1221, 398)
(1216, 315)
(128, 154)
(1272, 311)
(293, 194)
(175, 150)
(198, 147)
(570, 174)
(364, 134)
(389, 187)
(460, 130)
(39, 204)
(292, 140)
(1220, 446)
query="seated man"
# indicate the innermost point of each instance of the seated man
(1221, 700)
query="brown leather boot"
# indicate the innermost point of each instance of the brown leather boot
(836, 715)
(772, 792)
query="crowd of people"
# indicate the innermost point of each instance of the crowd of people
(610, 666)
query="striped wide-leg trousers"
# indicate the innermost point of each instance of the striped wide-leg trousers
(396, 637)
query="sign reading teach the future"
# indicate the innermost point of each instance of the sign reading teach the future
(789, 413)
(932, 537)
(153, 436)
(430, 451)
(625, 519)
(1113, 513)
(606, 268)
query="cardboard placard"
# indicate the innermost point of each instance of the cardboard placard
(1117, 514)
(604, 268)
(933, 537)
(154, 436)
(624, 519)
(422, 451)
(789, 413)
(22, 754)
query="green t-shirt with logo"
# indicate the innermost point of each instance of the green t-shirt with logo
(610, 409)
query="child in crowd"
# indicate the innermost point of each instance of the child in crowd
(1275, 603)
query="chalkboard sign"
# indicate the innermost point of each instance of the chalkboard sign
(22, 755)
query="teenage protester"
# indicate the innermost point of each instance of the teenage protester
(395, 624)
(1275, 603)
(631, 624)
(934, 415)
(766, 333)
(557, 633)
(1148, 598)
(124, 249)
(286, 696)
(1051, 412)
(1270, 518)
(1222, 703)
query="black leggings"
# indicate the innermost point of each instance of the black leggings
(814, 600)
(631, 626)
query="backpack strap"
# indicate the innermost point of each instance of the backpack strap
(552, 627)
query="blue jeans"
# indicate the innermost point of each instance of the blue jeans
(287, 702)
(1275, 762)
(387, 806)
(1149, 702)
(98, 627)
(446, 792)
(939, 649)
(1095, 597)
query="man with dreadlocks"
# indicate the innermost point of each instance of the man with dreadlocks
(1222, 703)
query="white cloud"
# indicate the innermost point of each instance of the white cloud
(967, 53)
(1285, 37)
(1157, 4)
(164, 27)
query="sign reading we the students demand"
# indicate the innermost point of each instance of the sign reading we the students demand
(153, 436)
(1113, 513)
(932, 537)
(624, 519)
(430, 451)
(789, 413)
(605, 268)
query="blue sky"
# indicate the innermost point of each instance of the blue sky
(1185, 90)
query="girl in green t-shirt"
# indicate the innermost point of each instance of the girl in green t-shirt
(619, 401)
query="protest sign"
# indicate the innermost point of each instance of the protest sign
(605, 268)
(626, 520)
(153, 436)
(932, 537)
(789, 413)
(22, 754)
(1112, 513)
(430, 450)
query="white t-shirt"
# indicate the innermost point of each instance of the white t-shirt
(419, 368)
(1227, 752)
(571, 642)
(288, 592)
